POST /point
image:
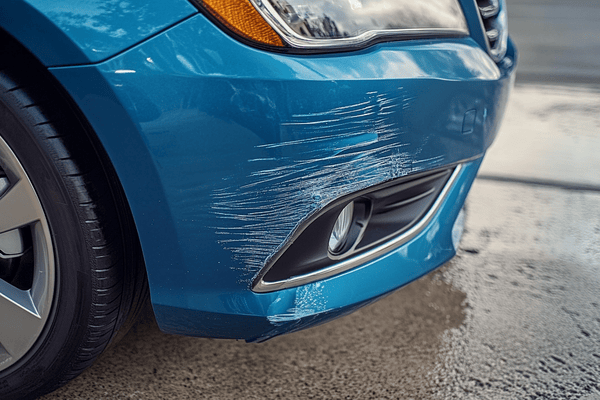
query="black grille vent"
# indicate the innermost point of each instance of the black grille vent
(381, 213)
(493, 16)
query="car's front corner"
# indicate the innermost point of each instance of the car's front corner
(229, 153)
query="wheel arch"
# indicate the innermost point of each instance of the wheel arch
(94, 107)
(14, 55)
(29, 64)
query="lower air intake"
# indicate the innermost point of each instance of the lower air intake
(383, 217)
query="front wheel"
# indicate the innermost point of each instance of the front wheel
(69, 256)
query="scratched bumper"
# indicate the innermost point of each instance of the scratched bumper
(223, 150)
(297, 308)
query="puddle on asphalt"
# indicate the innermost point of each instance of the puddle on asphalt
(530, 269)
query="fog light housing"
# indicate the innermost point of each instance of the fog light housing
(357, 228)
(340, 230)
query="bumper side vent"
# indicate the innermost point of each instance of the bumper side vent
(493, 17)
(384, 217)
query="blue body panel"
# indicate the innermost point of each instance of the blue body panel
(223, 150)
(67, 32)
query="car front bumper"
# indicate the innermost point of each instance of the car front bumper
(223, 150)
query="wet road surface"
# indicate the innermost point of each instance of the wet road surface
(515, 315)
(530, 269)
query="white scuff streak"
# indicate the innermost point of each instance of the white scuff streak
(308, 301)
(322, 156)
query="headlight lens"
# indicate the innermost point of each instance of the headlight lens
(322, 24)
(335, 23)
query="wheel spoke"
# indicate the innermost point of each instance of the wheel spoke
(27, 261)
(21, 323)
(19, 207)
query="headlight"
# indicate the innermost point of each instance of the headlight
(324, 24)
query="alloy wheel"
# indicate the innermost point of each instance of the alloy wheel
(27, 268)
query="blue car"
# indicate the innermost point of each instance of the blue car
(255, 167)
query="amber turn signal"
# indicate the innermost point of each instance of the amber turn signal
(241, 17)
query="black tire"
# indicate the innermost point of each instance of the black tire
(99, 278)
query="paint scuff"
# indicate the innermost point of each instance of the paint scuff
(308, 301)
(320, 157)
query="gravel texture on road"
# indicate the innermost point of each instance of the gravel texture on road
(530, 269)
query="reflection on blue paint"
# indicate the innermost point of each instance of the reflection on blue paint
(101, 28)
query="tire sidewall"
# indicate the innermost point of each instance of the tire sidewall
(42, 368)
